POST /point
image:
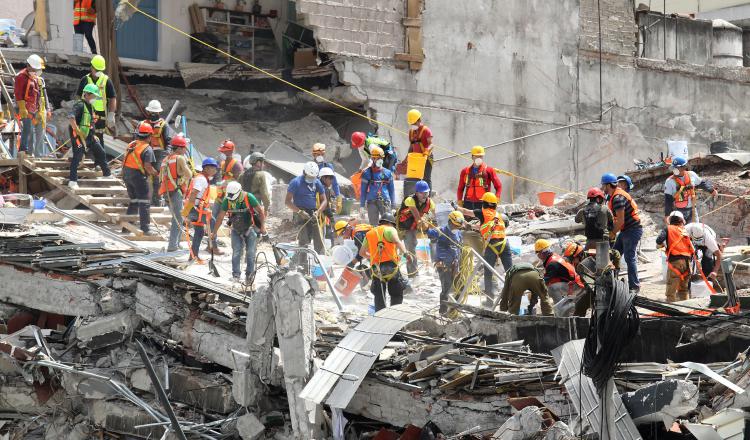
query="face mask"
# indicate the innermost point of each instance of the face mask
(379, 163)
(92, 101)
(676, 171)
(414, 126)
(153, 117)
(478, 161)
(309, 179)
(319, 159)
(97, 74)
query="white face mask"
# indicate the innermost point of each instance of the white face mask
(676, 171)
(97, 74)
(414, 126)
(379, 163)
(309, 179)
(478, 161)
(92, 101)
(319, 159)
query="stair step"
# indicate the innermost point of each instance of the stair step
(104, 190)
(65, 173)
(101, 181)
(159, 219)
(108, 201)
(123, 209)
(57, 164)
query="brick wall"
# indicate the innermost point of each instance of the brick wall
(362, 28)
(619, 31)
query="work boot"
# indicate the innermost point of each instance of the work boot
(218, 251)
(73, 185)
(150, 233)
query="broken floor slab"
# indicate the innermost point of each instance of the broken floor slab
(524, 425)
(209, 340)
(662, 401)
(155, 306)
(122, 417)
(191, 387)
(100, 332)
(249, 427)
(47, 292)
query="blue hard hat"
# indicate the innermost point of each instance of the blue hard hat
(422, 187)
(678, 161)
(211, 162)
(609, 178)
(626, 178)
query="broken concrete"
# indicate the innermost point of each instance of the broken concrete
(663, 401)
(194, 388)
(108, 330)
(118, 416)
(47, 292)
(249, 427)
(523, 425)
(154, 306)
(209, 340)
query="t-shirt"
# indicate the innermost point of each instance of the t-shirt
(426, 134)
(303, 193)
(389, 234)
(670, 186)
(620, 203)
(109, 89)
(76, 112)
(200, 184)
(411, 203)
(709, 237)
(238, 208)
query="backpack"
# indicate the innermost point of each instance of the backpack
(593, 228)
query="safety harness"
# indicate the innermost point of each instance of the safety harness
(157, 140)
(202, 204)
(381, 251)
(406, 220)
(470, 180)
(133, 156)
(168, 175)
(685, 191)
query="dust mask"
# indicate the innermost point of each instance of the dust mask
(414, 126)
(379, 163)
(92, 101)
(309, 179)
(319, 159)
(676, 171)
(97, 74)
(478, 161)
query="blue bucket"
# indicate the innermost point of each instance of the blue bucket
(40, 203)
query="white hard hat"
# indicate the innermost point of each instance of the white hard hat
(696, 231)
(319, 147)
(311, 169)
(325, 171)
(233, 190)
(154, 106)
(35, 61)
(677, 214)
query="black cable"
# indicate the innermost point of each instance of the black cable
(611, 329)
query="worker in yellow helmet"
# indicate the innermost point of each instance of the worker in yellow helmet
(561, 278)
(352, 230)
(492, 229)
(420, 141)
(106, 103)
(474, 181)
(447, 254)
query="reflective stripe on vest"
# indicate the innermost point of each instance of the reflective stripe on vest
(493, 226)
(482, 176)
(157, 140)
(678, 242)
(381, 250)
(685, 191)
(572, 274)
(133, 156)
(622, 192)
(83, 11)
(101, 84)
(86, 121)
(168, 175)
(406, 218)
(226, 176)
(202, 204)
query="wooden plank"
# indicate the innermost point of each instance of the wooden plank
(102, 181)
(409, 57)
(110, 201)
(23, 187)
(412, 22)
(413, 8)
(86, 174)
(101, 190)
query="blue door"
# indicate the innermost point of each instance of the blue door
(139, 36)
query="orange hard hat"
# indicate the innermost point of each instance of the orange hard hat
(225, 146)
(572, 250)
(145, 128)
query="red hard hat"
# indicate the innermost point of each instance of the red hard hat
(179, 141)
(145, 128)
(595, 192)
(227, 145)
(358, 139)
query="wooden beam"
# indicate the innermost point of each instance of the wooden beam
(409, 57)
(23, 186)
(412, 22)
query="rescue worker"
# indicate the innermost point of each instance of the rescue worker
(420, 141)
(82, 120)
(106, 104)
(680, 253)
(197, 207)
(625, 182)
(519, 279)
(626, 224)
(574, 253)
(230, 169)
(679, 190)
(707, 250)
(137, 166)
(318, 154)
(84, 20)
(597, 219)
(447, 254)
(175, 175)
(247, 219)
(364, 143)
(414, 215)
(159, 140)
(473, 182)
(327, 178)
(302, 195)
(377, 190)
(254, 180)
(382, 246)
(29, 97)
(40, 146)
(560, 276)
(352, 230)
(492, 230)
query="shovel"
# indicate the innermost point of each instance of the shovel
(211, 266)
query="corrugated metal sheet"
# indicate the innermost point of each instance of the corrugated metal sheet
(348, 364)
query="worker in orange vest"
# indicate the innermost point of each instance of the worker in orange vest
(230, 169)
(420, 141)
(680, 252)
(84, 19)
(561, 278)
(679, 190)
(626, 224)
(159, 140)
(473, 182)
(197, 205)
(175, 175)
(137, 167)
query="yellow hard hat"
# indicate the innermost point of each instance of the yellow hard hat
(340, 226)
(489, 197)
(376, 152)
(413, 116)
(456, 218)
(477, 150)
(541, 245)
(98, 62)
(319, 147)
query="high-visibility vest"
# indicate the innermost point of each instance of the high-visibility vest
(87, 121)
(622, 192)
(479, 182)
(685, 191)
(100, 105)
(381, 251)
(227, 176)
(202, 205)
(156, 139)
(493, 226)
(83, 11)
(415, 140)
(573, 276)
(133, 156)
(678, 242)
(168, 175)
(406, 217)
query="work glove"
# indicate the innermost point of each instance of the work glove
(303, 215)
(186, 210)
(22, 112)
(111, 119)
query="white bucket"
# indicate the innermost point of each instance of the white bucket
(678, 148)
(699, 289)
(342, 255)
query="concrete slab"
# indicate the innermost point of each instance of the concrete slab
(249, 427)
(154, 306)
(50, 293)
(107, 330)
(209, 340)
(662, 401)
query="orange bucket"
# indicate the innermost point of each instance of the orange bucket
(546, 198)
(348, 281)
(357, 183)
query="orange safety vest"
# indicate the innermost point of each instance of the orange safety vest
(156, 139)
(622, 192)
(405, 216)
(133, 156)
(493, 226)
(168, 175)
(202, 205)
(685, 191)
(226, 175)
(83, 11)
(479, 182)
(415, 140)
(678, 245)
(381, 251)
(572, 274)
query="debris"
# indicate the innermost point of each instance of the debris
(249, 427)
(662, 401)
(522, 426)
